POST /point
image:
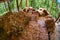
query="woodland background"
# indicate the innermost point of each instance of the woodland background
(53, 6)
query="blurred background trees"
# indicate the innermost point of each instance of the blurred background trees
(53, 6)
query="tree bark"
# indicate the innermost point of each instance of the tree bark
(8, 1)
(17, 5)
(26, 2)
(20, 5)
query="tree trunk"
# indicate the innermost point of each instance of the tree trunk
(17, 5)
(8, 1)
(20, 5)
(26, 3)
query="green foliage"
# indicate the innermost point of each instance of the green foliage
(35, 4)
(2, 9)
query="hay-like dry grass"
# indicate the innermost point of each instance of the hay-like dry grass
(23, 26)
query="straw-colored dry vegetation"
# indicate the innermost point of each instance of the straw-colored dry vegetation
(20, 23)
